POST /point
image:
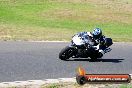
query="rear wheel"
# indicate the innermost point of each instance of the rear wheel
(93, 58)
(66, 53)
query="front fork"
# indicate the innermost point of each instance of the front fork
(74, 48)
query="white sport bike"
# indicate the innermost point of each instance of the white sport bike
(82, 47)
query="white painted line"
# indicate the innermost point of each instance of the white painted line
(67, 79)
(50, 41)
(24, 83)
(37, 83)
(51, 80)
(69, 41)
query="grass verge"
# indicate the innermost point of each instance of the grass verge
(74, 85)
(59, 19)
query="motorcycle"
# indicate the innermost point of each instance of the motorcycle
(82, 47)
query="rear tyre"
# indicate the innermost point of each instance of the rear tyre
(66, 53)
(93, 58)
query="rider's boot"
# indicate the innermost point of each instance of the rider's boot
(101, 53)
(107, 50)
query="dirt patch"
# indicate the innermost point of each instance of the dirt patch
(119, 4)
(100, 11)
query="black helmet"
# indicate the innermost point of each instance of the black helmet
(97, 33)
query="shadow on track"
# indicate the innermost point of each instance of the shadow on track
(98, 60)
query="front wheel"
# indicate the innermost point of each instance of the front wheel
(66, 53)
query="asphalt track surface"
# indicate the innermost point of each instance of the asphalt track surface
(20, 61)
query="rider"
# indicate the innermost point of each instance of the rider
(98, 40)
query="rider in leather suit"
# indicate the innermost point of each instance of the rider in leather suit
(97, 40)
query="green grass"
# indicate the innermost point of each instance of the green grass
(62, 85)
(75, 85)
(53, 86)
(126, 86)
(59, 19)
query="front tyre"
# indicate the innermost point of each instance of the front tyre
(66, 53)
